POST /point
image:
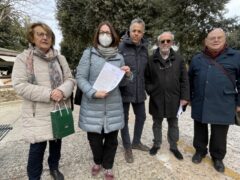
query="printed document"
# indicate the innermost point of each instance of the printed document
(180, 111)
(109, 77)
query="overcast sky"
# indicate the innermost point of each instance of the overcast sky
(44, 10)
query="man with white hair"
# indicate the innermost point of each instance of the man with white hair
(167, 85)
(215, 96)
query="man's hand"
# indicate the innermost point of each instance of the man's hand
(127, 70)
(238, 108)
(183, 102)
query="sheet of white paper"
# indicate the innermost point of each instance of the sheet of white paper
(180, 110)
(108, 78)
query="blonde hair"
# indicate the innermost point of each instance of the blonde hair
(30, 32)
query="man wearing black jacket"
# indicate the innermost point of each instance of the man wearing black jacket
(134, 50)
(168, 87)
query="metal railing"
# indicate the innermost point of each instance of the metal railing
(4, 129)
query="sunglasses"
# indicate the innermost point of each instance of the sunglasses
(167, 40)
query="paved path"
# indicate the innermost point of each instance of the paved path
(77, 158)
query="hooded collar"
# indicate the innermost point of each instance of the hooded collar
(158, 57)
(127, 39)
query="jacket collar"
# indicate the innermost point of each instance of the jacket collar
(126, 39)
(227, 52)
(158, 57)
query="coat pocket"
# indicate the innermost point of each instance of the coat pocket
(229, 91)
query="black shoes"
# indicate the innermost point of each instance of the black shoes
(153, 151)
(197, 158)
(218, 165)
(56, 174)
(177, 154)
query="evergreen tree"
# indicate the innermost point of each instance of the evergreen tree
(12, 30)
(189, 20)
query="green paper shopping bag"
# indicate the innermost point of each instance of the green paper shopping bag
(62, 122)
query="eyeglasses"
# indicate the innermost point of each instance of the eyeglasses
(42, 34)
(217, 38)
(166, 40)
(105, 32)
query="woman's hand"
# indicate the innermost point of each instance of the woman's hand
(101, 94)
(127, 70)
(56, 95)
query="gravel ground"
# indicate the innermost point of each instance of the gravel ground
(76, 158)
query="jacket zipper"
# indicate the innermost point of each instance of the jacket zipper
(105, 113)
(137, 75)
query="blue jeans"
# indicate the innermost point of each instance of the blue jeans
(36, 154)
(140, 117)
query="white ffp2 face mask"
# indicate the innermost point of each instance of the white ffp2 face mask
(105, 40)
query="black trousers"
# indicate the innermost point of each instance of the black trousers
(172, 134)
(104, 147)
(36, 154)
(140, 117)
(218, 139)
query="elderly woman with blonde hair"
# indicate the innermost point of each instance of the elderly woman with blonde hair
(41, 77)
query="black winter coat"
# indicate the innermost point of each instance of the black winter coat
(166, 83)
(136, 57)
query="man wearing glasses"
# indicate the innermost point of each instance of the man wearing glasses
(214, 78)
(167, 85)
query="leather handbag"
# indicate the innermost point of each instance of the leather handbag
(237, 119)
(62, 122)
(78, 96)
(79, 93)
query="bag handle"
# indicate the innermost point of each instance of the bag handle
(57, 104)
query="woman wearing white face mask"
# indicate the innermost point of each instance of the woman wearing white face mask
(101, 113)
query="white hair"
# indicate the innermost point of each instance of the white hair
(166, 32)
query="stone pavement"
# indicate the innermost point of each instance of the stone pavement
(76, 158)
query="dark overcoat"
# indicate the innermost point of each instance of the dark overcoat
(166, 83)
(136, 57)
(213, 94)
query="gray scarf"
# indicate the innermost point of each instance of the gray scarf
(107, 52)
(53, 63)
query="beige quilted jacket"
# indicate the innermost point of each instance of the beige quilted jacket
(37, 126)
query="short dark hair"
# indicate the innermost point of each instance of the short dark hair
(115, 37)
(30, 32)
